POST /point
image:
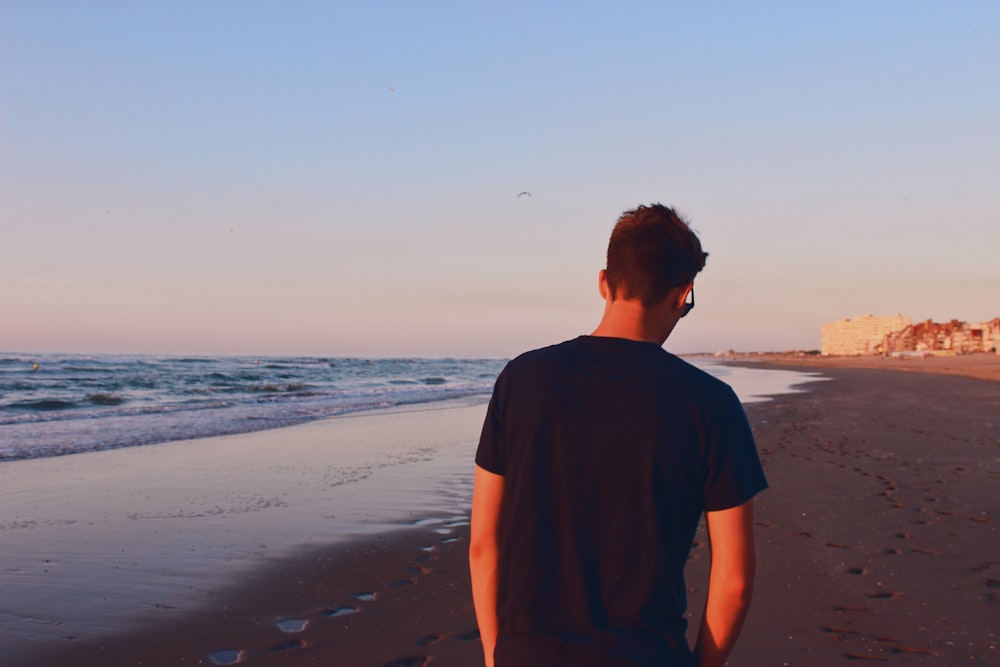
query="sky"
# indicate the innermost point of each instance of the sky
(343, 178)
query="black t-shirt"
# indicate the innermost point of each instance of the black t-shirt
(610, 450)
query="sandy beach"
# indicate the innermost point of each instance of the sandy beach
(877, 540)
(985, 366)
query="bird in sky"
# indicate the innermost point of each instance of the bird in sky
(524, 193)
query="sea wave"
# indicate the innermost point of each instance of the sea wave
(68, 404)
(41, 405)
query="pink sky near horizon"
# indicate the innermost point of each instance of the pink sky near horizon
(343, 180)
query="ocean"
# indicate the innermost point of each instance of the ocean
(57, 404)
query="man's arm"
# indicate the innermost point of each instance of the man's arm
(730, 583)
(484, 555)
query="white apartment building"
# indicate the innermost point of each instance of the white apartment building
(859, 335)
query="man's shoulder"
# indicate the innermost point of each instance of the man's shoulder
(554, 351)
(699, 381)
(644, 362)
(695, 373)
(549, 356)
(622, 355)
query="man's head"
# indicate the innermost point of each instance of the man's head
(651, 251)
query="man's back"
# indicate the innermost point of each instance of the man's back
(596, 460)
(610, 449)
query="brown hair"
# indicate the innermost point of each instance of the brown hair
(651, 251)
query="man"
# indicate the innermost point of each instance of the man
(597, 458)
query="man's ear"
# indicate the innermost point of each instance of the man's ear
(602, 284)
(683, 294)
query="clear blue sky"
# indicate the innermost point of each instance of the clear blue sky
(342, 178)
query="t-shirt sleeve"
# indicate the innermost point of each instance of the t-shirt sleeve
(490, 454)
(734, 473)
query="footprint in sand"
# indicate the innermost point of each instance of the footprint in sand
(364, 596)
(992, 585)
(913, 649)
(925, 552)
(427, 640)
(858, 570)
(399, 583)
(292, 625)
(337, 612)
(883, 595)
(469, 635)
(227, 656)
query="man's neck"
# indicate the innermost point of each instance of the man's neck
(632, 321)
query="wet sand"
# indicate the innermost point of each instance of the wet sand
(166, 554)
(393, 599)
(877, 542)
(985, 366)
(878, 538)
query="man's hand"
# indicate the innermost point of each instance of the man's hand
(484, 555)
(730, 583)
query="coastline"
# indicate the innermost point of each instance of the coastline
(981, 365)
(100, 542)
(877, 541)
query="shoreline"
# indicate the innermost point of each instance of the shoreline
(97, 542)
(877, 541)
(981, 365)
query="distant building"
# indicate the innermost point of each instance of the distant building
(897, 335)
(859, 335)
(954, 336)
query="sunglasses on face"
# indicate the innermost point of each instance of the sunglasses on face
(689, 304)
